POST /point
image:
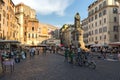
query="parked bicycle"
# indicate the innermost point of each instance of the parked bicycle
(85, 60)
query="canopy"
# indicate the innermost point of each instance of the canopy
(99, 45)
(9, 41)
(115, 43)
(96, 45)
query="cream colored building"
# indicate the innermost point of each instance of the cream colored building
(42, 33)
(45, 32)
(103, 22)
(85, 29)
(22, 11)
(51, 30)
(31, 31)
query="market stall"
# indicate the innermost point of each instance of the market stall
(5, 47)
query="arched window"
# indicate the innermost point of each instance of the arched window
(32, 28)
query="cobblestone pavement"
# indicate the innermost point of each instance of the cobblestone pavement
(53, 67)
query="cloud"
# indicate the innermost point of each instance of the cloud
(46, 7)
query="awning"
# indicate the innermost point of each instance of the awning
(96, 45)
(115, 43)
(100, 45)
(9, 41)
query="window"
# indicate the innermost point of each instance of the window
(100, 14)
(32, 28)
(92, 25)
(95, 9)
(3, 21)
(13, 34)
(29, 36)
(115, 11)
(25, 33)
(115, 28)
(104, 29)
(100, 6)
(96, 16)
(96, 24)
(100, 37)
(7, 23)
(3, 13)
(115, 36)
(100, 30)
(104, 20)
(115, 19)
(104, 12)
(25, 27)
(100, 22)
(32, 35)
(92, 18)
(96, 31)
(36, 35)
(89, 33)
(104, 3)
(104, 37)
(92, 11)
(0, 17)
(96, 38)
(92, 33)
(0, 27)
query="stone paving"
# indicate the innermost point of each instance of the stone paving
(53, 67)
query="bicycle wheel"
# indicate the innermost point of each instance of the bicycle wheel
(92, 65)
(86, 63)
(79, 62)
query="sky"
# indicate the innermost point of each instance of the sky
(58, 12)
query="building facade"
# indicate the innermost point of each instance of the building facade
(66, 34)
(9, 25)
(85, 29)
(30, 30)
(46, 32)
(19, 22)
(42, 33)
(102, 22)
(25, 14)
(119, 18)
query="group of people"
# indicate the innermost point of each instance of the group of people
(104, 51)
(73, 54)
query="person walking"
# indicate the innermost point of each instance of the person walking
(66, 54)
(119, 55)
(71, 56)
(23, 54)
